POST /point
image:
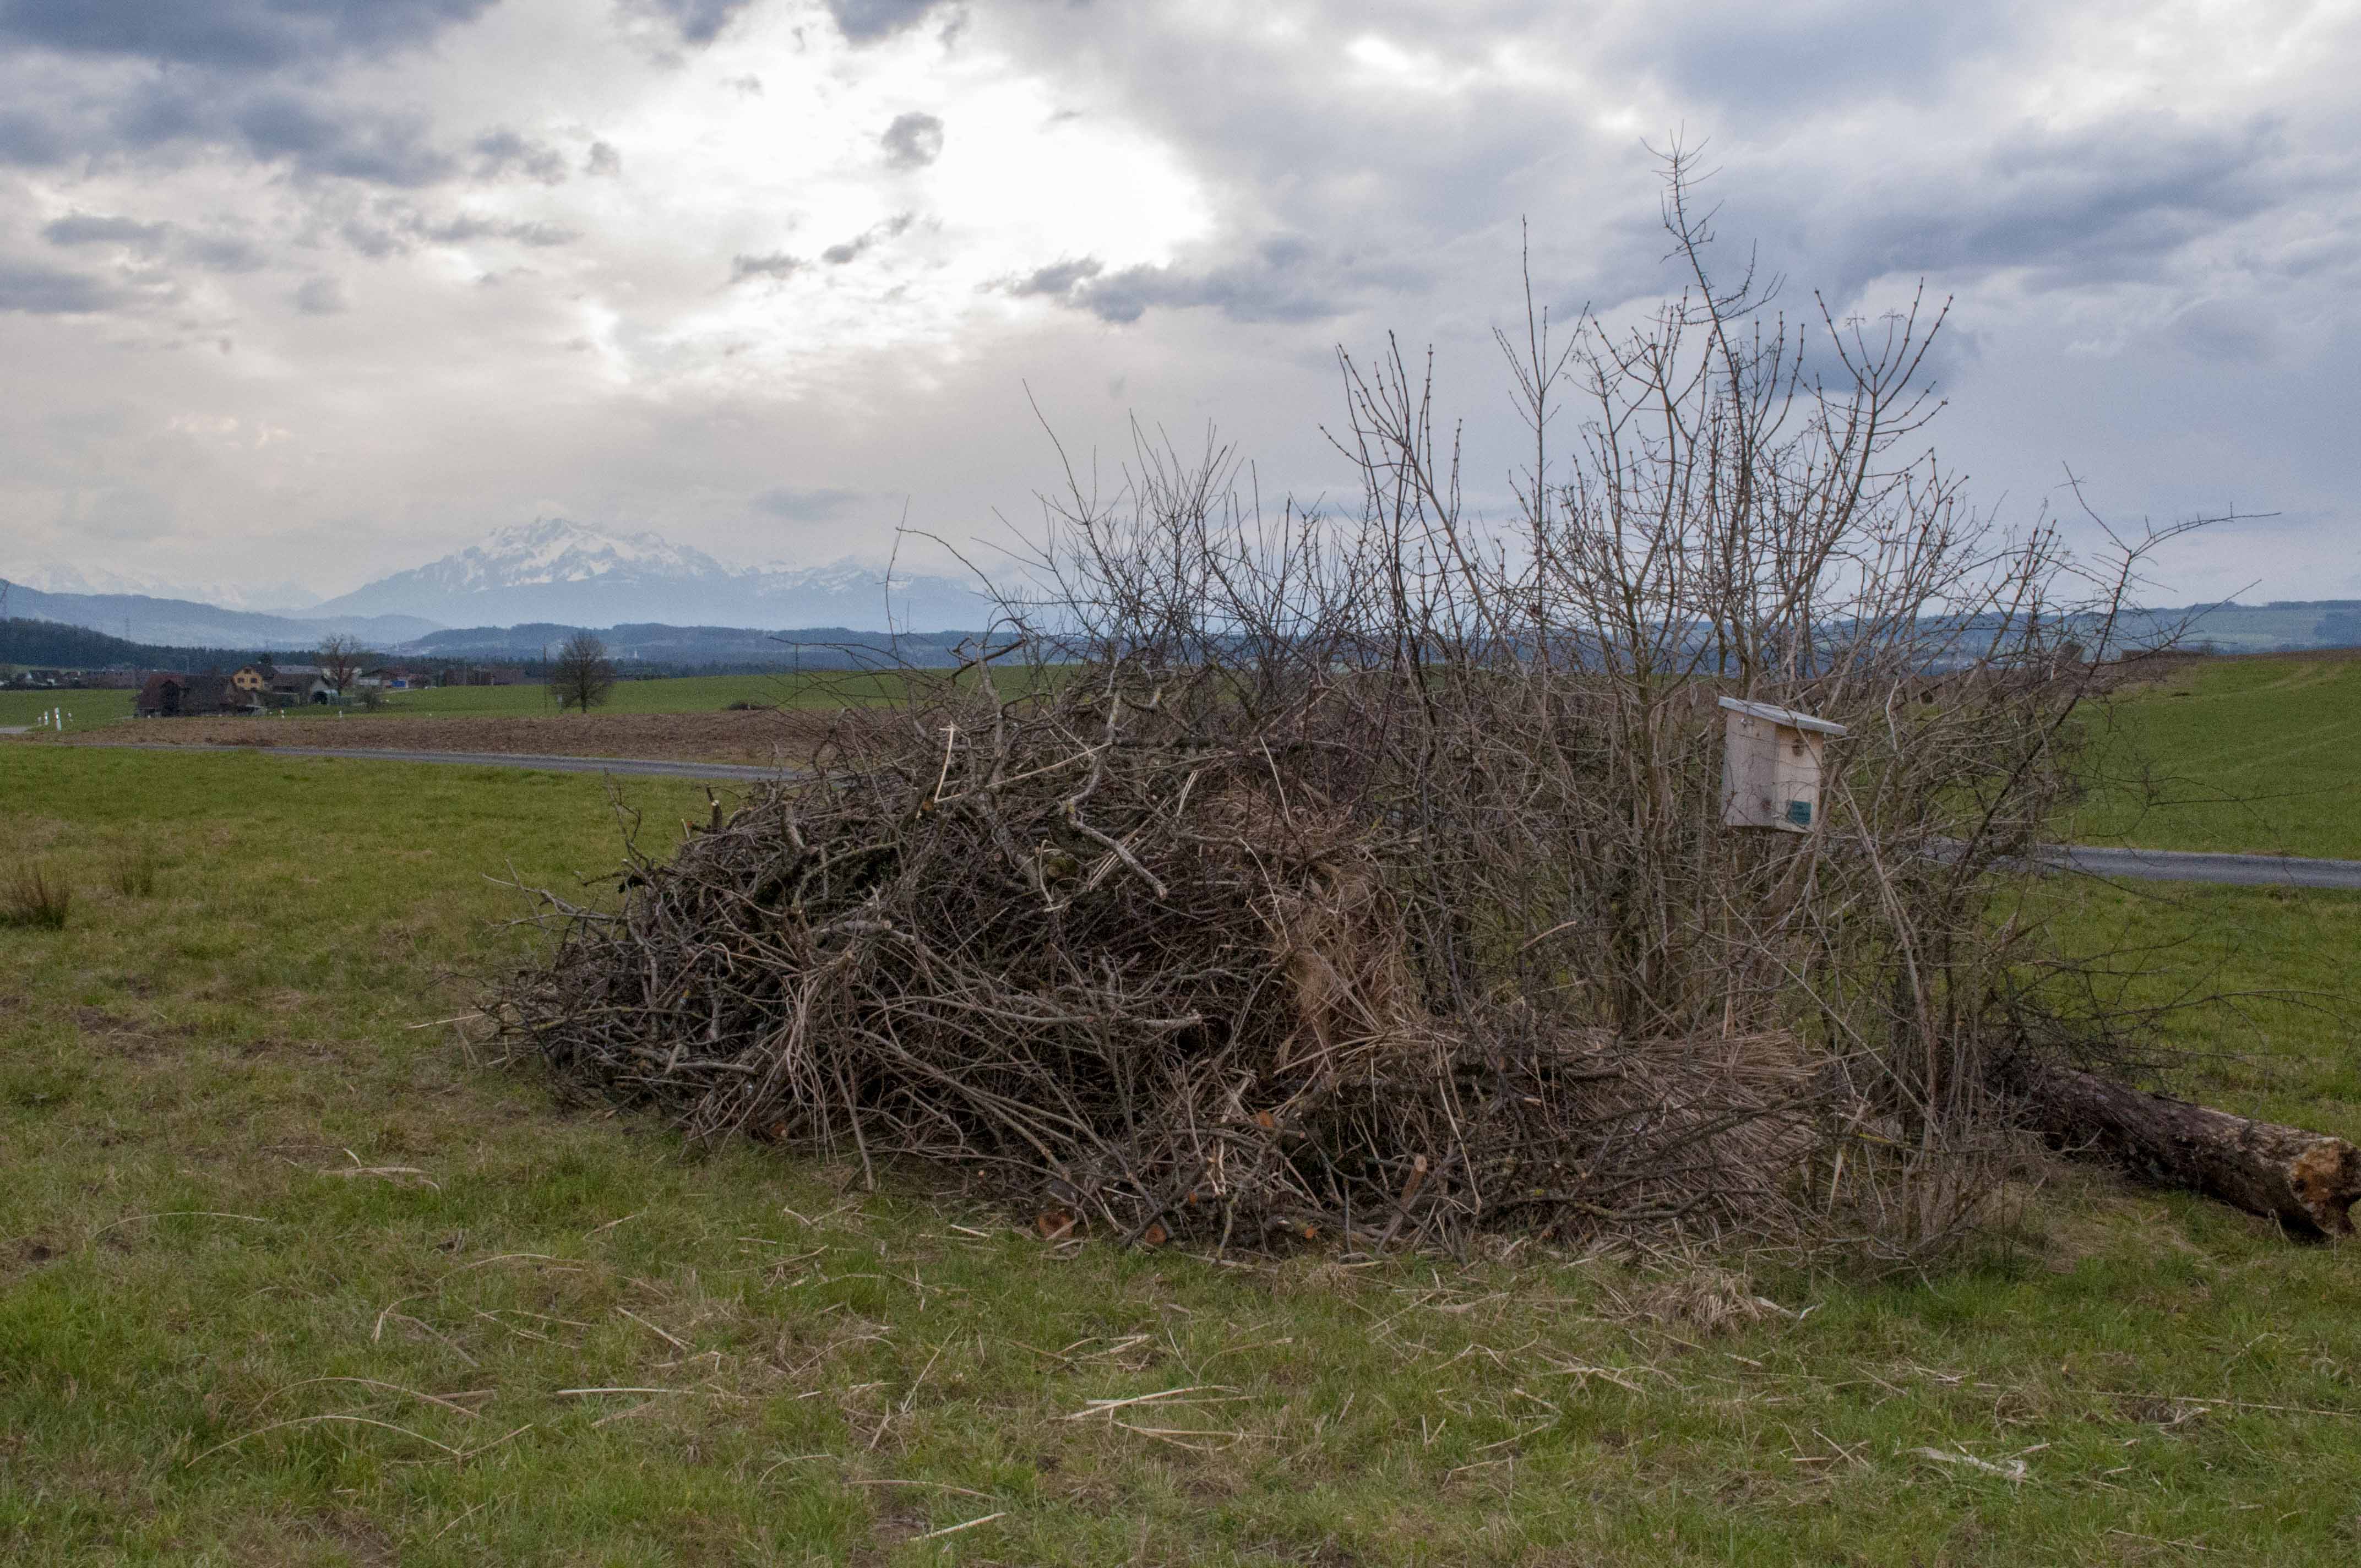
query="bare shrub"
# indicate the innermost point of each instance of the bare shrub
(33, 892)
(1365, 875)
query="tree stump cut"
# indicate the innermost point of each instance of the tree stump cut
(2307, 1181)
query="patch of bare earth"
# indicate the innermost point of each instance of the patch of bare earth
(757, 738)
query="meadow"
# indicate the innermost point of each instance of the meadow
(89, 707)
(680, 693)
(289, 1272)
(2252, 753)
(2260, 755)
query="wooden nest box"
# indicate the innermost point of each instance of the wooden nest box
(1771, 766)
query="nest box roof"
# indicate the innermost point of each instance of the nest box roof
(1786, 716)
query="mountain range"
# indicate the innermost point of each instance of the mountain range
(547, 571)
(146, 618)
(267, 599)
(553, 570)
(532, 582)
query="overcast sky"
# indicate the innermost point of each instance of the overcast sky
(317, 290)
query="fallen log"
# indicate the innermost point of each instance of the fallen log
(2307, 1181)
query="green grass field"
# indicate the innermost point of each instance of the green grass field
(2259, 754)
(89, 708)
(684, 693)
(287, 1276)
(2248, 754)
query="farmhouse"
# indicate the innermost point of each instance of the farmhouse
(298, 685)
(169, 694)
(284, 685)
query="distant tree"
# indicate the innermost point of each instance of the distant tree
(581, 676)
(2338, 629)
(341, 659)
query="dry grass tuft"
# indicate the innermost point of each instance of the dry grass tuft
(1698, 1297)
(35, 893)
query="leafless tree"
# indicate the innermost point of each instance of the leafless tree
(581, 676)
(342, 657)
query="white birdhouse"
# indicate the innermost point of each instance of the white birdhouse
(1771, 766)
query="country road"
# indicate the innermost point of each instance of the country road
(2137, 865)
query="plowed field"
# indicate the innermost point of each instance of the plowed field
(755, 738)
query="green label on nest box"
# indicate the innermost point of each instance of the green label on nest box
(1799, 812)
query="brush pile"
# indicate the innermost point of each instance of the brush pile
(1144, 981)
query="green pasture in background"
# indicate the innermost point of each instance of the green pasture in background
(2258, 754)
(2261, 755)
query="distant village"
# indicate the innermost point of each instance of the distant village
(258, 687)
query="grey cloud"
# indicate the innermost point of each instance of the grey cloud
(1059, 279)
(289, 117)
(377, 149)
(313, 133)
(2106, 204)
(28, 140)
(44, 291)
(394, 229)
(806, 506)
(604, 162)
(2121, 200)
(468, 226)
(92, 228)
(700, 22)
(779, 264)
(865, 21)
(216, 252)
(228, 35)
(913, 140)
(853, 248)
(373, 240)
(499, 152)
(2226, 330)
(1780, 60)
(1282, 281)
(223, 253)
(320, 296)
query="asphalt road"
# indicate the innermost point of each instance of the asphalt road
(2237, 870)
(2136, 865)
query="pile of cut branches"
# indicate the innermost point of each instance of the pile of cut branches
(1151, 982)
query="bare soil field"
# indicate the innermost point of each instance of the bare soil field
(755, 738)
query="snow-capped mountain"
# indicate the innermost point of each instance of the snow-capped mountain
(181, 623)
(268, 598)
(550, 551)
(558, 571)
